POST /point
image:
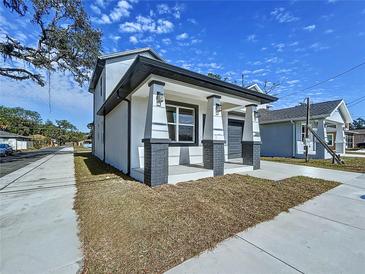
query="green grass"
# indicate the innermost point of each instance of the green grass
(354, 164)
(128, 227)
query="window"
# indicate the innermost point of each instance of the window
(181, 123)
(101, 86)
(349, 141)
(330, 139)
(303, 133)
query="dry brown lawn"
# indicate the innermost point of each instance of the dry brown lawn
(127, 227)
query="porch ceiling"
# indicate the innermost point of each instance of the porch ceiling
(192, 92)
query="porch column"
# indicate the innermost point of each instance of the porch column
(322, 132)
(156, 137)
(251, 139)
(213, 139)
(340, 139)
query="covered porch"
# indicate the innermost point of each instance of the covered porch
(179, 131)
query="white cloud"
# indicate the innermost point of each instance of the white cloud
(280, 71)
(174, 11)
(293, 44)
(273, 60)
(318, 46)
(147, 24)
(210, 65)
(279, 46)
(310, 28)
(100, 3)
(95, 9)
(192, 20)
(133, 39)
(166, 41)
(115, 38)
(182, 36)
(251, 38)
(328, 31)
(257, 71)
(292, 82)
(283, 16)
(121, 10)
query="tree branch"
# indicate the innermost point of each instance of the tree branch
(21, 74)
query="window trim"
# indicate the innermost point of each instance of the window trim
(333, 136)
(195, 109)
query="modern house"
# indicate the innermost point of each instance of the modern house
(283, 130)
(160, 123)
(355, 137)
(16, 141)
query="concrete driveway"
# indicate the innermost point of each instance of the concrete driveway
(38, 224)
(323, 235)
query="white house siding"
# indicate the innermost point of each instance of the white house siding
(116, 137)
(138, 116)
(116, 68)
(99, 136)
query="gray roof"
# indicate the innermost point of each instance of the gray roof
(322, 109)
(5, 134)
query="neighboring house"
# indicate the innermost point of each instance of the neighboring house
(160, 123)
(16, 141)
(283, 130)
(354, 137)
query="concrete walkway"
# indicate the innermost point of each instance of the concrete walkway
(323, 235)
(38, 224)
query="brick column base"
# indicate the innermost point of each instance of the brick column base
(251, 153)
(213, 156)
(156, 161)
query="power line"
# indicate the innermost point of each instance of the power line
(354, 101)
(328, 79)
(358, 102)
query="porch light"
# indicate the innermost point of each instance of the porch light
(159, 98)
(218, 108)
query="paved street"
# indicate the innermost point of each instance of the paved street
(20, 159)
(37, 221)
(323, 235)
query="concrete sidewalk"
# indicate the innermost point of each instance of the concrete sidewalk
(38, 223)
(323, 235)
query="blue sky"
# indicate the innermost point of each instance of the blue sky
(295, 43)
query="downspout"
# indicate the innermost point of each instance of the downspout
(294, 135)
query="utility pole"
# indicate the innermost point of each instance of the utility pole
(306, 147)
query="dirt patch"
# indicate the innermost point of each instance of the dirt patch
(127, 227)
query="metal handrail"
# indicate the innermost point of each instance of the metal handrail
(335, 157)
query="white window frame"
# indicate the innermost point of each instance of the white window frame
(177, 123)
(332, 140)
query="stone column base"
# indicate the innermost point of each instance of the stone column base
(251, 153)
(213, 156)
(156, 161)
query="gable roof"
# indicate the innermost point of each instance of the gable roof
(6, 134)
(317, 110)
(100, 63)
(143, 66)
(255, 87)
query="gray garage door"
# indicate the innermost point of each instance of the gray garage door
(235, 129)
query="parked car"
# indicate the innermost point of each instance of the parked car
(6, 149)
